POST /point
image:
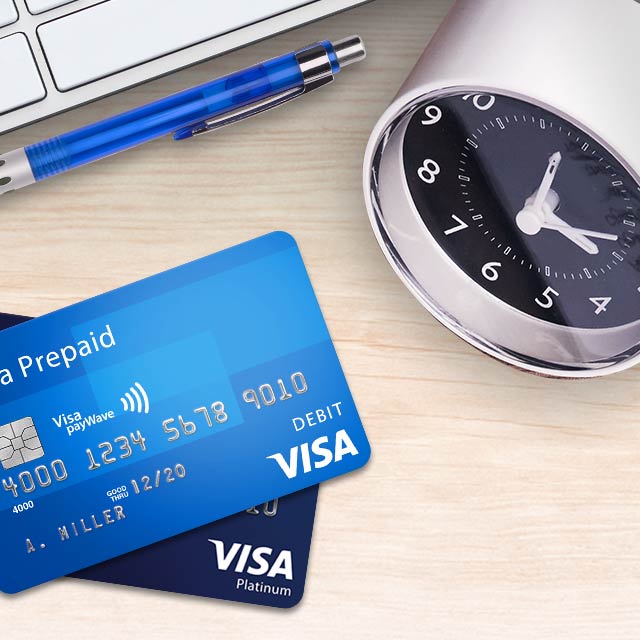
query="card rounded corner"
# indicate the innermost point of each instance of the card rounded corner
(10, 591)
(295, 602)
(285, 238)
(367, 455)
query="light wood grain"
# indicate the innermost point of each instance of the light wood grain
(496, 505)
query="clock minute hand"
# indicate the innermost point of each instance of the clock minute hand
(568, 231)
(547, 180)
(531, 221)
(582, 232)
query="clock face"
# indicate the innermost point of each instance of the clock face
(529, 206)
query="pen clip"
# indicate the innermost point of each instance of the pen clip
(317, 72)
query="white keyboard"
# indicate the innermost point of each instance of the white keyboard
(58, 54)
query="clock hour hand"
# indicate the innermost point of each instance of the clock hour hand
(547, 180)
(539, 213)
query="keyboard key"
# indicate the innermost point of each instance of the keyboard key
(40, 6)
(8, 13)
(119, 34)
(21, 82)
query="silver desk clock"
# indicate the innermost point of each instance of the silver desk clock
(502, 183)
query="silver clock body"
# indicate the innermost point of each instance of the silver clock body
(576, 59)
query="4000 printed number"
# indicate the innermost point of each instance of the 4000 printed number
(42, 476)
(23, 506)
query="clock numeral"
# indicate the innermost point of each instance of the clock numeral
(547, 300)
(490, 271)
(461, 226)
(601, 304)
(428, 171)
(481, 101)
(433, 113)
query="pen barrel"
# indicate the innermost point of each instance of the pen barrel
(128, 130)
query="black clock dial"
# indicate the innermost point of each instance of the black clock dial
(531, 207)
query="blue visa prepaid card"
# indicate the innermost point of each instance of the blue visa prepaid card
(203, 391)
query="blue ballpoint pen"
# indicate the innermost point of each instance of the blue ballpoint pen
(186, 114)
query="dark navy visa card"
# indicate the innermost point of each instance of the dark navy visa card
(198, 392)
(259, 556)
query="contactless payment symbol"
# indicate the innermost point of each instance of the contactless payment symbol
(19, 443)
(135, 400)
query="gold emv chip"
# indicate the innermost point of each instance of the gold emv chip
(19, 443)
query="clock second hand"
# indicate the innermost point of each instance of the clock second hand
(582, 232)
(568, 232)
(531, 222)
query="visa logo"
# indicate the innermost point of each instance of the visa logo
(321, 450)
(258, 561)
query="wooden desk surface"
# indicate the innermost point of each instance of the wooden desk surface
(496, 505)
